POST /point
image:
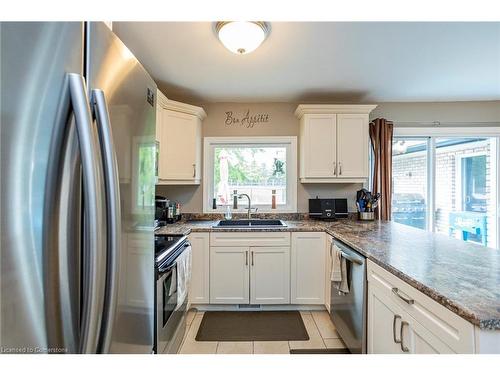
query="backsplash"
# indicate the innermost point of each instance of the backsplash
(219, 216)
(191, 197)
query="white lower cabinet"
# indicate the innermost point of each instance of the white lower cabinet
(229, 275)
(403, 320)
(393, 331)
(308, 258)
(199, 289)
(250, 268)
(384, 317)
(269, 275)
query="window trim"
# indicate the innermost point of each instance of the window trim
(208, 166)
(456, 132)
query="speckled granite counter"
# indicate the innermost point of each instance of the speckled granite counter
(463, 277)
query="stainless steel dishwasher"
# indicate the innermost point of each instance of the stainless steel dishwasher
(348, 310)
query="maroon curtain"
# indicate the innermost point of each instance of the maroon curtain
(381, 131)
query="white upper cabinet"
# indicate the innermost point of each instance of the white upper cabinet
(352, 146)
(318, 133)
(179, 136)
(334, 142)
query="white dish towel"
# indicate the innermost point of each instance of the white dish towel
(338, 274)
(183, 275)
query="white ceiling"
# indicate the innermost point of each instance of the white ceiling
(330, 61)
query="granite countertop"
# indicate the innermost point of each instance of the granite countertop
(461, 276)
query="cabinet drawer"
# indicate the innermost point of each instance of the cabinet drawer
(453, 330)
(250, 239)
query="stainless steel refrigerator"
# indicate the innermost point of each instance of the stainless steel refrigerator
(77, 191)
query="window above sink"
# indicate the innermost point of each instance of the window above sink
(251, 165)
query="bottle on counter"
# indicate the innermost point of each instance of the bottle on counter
(170, 213)
(273, 199)
(228, 215)
(178, 212)
(235, 199)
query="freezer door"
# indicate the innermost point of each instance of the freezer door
(118, 82)
(40, 188)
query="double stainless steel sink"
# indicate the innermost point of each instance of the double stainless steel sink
(250, 223)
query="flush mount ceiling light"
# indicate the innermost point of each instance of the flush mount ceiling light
(241, 37)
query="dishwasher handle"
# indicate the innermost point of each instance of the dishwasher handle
(350, 259)
(345, 255)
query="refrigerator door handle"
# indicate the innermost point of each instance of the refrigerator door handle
(93, 250)
(112, 194)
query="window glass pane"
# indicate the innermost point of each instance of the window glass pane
(253, 170)
(464, 205)
(409, 178)
(146, 168)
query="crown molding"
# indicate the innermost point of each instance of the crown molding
(303, 109)
(186, 108)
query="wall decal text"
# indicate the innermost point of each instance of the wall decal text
(248, 119)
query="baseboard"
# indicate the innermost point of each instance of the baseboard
(208, 307)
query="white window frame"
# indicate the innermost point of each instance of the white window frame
(209, 144)
(456, 132)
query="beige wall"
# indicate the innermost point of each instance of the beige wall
(282, 122)
(488, 111)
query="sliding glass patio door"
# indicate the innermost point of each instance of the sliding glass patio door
(447, 185)
(410, 193)
(465, 203)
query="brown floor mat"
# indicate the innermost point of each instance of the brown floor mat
(252, 326)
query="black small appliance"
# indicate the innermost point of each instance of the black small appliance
(161, 209)
(328, 208)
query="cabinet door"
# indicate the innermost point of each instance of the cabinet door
(270, 275)
(384, 323)
(200, 271)
(229, 275)
(138, 264)
(319, 146)
(308, 256)
(180, 146)
(352, 145)
(422, 341)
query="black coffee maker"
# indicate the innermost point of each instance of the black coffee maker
(161, 210)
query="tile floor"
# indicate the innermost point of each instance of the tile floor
(322, 334)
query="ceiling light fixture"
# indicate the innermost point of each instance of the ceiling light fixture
(242, 37)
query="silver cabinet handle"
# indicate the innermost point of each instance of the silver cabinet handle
(334, 168)
(403, 347)
(340, 168)
(252, 258)
(94, 246)
(194, 170)
(246, 258)
(409, 301)
(396, 341)
(112, 194)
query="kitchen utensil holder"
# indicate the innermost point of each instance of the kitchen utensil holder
(366, 216)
